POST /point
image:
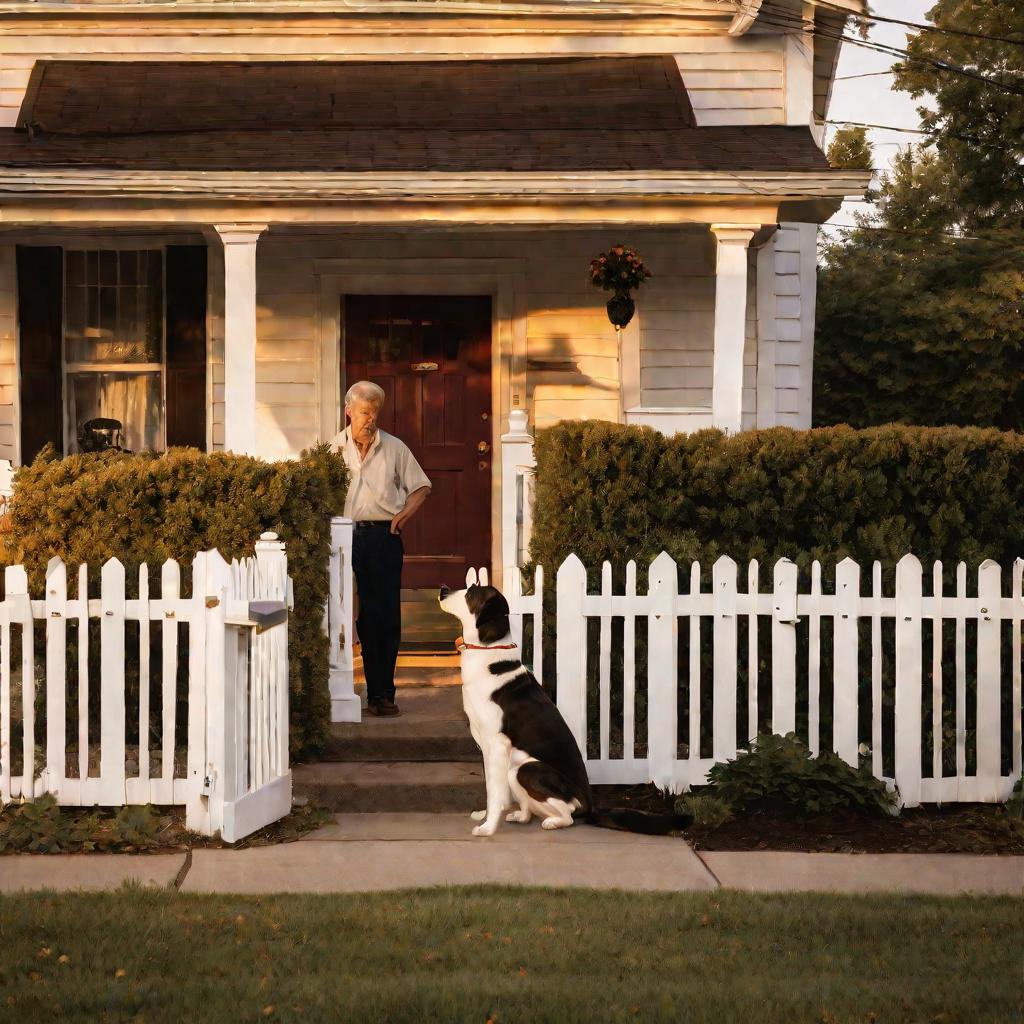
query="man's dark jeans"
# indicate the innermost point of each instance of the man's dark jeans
(377, 556)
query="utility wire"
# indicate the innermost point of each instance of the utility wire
(876, 18)
(782, 19)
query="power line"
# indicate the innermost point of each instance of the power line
(782, 19)
(866, 74)
(876, 18)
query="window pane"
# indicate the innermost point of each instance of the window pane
(131, 398)
(114, 306)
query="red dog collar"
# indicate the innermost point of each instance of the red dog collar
(461, 645)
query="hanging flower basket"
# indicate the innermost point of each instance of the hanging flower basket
(619, 271)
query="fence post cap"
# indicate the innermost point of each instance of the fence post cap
(268, 535)
(517, 426)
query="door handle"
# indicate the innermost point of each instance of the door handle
(483, 447)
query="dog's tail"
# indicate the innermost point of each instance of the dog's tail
(648, 823)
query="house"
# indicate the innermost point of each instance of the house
(214, 214)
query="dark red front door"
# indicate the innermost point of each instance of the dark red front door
(432, 357)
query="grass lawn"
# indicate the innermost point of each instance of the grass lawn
(509, 956)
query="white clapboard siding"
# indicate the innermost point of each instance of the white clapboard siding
(676, 765)
(237, 777)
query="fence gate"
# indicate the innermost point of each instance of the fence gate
(222, 654)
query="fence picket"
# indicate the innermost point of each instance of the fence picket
(814, 660)
(908, 679)
(662, 672)
(112, 724)
(846, 650)
(693, 746)
(753, 657)
(5, 691)
(784, 620)
(936, 723)
(170, 593)
(961, 673)
(1017, 599)
(144, 680)
(16, 589)
(629, 668)
(605, 661)
(571, 657)
(55, 606)
(876, 670)
(725, 654)
(988, 726)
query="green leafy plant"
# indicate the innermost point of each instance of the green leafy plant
(708, 810)
(781, 769)
(40, 826)
(147, 508)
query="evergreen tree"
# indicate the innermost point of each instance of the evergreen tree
(921, 310)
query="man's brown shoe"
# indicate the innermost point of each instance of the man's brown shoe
(383, 707)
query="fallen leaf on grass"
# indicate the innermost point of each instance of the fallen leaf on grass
(43, 953)
(63, 959)
(268, 1010)
(120, 972)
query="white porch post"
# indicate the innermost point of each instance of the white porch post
(730, 323)
(240, 335)
(517, 462)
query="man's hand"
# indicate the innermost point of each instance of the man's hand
(412, 504)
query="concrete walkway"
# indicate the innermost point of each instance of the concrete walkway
(371, 852)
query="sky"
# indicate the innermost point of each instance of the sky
(872, 99)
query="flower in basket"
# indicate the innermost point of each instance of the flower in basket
(619, 270)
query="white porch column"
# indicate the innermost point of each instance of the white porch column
(517, 463)
(240, 335)
(730, 324)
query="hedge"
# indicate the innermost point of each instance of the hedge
(610, 492)
(606, 491)
(149, 508)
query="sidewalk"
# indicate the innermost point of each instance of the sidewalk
(370, 852)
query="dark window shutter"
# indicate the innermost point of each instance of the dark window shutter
(186, 345)
(41, 319)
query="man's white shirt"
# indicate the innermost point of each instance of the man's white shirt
(380, 484)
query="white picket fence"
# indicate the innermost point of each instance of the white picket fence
(666, 611)
(235, 776)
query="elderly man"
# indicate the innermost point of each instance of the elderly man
(386, 488)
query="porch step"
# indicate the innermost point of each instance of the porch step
(414, 669)
(391, 739)
(424, 624)
(368, 786)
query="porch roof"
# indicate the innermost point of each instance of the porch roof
(539, 115)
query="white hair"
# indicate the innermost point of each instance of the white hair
(366, 391)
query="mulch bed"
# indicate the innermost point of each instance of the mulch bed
(951, 828)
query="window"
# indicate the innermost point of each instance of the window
(114, 343)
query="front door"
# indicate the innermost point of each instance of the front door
(432, 357)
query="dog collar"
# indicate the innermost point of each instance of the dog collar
(461, 645)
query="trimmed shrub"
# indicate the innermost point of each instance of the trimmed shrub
(610, 492)
(606, 491)
(150, 507)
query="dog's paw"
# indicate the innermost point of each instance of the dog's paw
(484, 830)
(555, 823)
(520, 817)
(478, 815)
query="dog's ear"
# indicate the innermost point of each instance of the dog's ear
(492, 619)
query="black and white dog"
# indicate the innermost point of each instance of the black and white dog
(531, 758)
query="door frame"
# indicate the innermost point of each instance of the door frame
(503, 279)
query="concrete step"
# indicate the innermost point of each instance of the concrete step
(393, 739)
(365, 786)
(432, 727)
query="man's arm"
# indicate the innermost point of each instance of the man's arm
(412, 503)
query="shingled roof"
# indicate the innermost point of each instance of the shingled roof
(558, 114)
